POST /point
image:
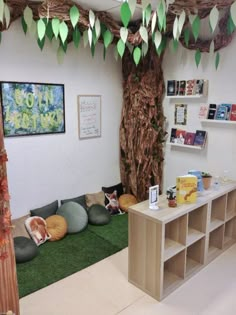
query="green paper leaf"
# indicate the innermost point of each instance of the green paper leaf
(132, 6)
(24, 25)
(233, 12)
(41, 29)
(162, 46)
(161, 15)
(197, 57)
(148, 12)
(64, 47)
(191, 18)
(91, 18)
(230, 26)
(125, 14)
(124, 34)
(76, 37)
(63, 31)
(120, 47)
(175, 45)
(144, 49)
(1, 10)
(49, 31)
(157, 39)
(182, 19)
(74, 15)
(90, 36)
(60, 55)
(55, 26)
(7, 15)
(143, 33)
(104, 53)
(94, 37)
(85, 38)
(212, 48)
(213, 18)
(28, 16)
(41, 43)
(186, 36)
(137, 55)
(107, 37)
(176, 28)
(154, 22)
(98, 28)
(217, 60)
(196, 27)
(92, 48)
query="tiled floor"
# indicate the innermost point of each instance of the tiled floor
(103, 289)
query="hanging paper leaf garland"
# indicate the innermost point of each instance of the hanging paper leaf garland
(63, 31)
(28, 16)
(186, 36)
(132, 6)
(197, 57)
(143, 33)
(124, 34)
(91, 18)
(217, 60)
(233, 12)
(24, 25)
(125, 14)
(55, 26)
(213, 18)
(7, 15)
(49, 31)
(76, 37)
(120, 47)
(196, 27)
(137, 55)
(41, 29)
(74, 15)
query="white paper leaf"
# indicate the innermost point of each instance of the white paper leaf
(182, 18)
(1, 10)
(7, 15)
(60, 55)
(143, 33)
(55, 26)
(144, 49)
(132, 6)
(212, 49)
(124, 34)
(176, 28)
(90, 36)
(233, 12)
(97, 28)
(157, 39)
(154, 21)
(214, 17)
(91, 18)
(191, 18)
(85, 38)
(28, 16)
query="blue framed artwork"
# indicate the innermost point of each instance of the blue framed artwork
(32, 108)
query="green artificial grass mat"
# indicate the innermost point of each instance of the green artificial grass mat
(57, 260)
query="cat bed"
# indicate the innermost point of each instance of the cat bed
(57, 227)
(98, 215)
(126, 201)
(25, 249)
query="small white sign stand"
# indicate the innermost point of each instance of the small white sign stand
(153, 197)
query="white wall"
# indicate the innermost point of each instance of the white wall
(220, 152)
(44, 168)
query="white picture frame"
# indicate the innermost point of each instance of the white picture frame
(153, 197)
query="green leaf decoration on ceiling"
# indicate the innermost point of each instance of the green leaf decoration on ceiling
(157, 39)
(125, 14)
(94, 37)
(41, 29)
(74, 15)
(213, 18)
(56, 26)
(137, 55)
(1, 10)
(182, 19)
(162, 46)
(28, 16)
(85, 38)
(76, 37)
(154, 22)
(148, 13)
(64, 46)
(92, 48)
(175, 45)
(132, 6)
(49, 31)
(23, 24)
(186, 36)
(197, 57)
(107, 37)
(60, 55)
(196, 27)
(98, 28)
(120, 47)
(161, 15)
(124, 34)
(90, 36)
(144, 49)
(233, 12)
(217, 60)
(7, 15)
(63, 31)
(230, 26)
(91, 18)
(41, 43)
(143, 33)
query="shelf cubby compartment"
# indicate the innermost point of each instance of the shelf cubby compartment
(215, 242)
(174, 271)
(175, 236)
(197, 220)
(195, 256)
(230, 232)
(231, 205)
(218, 208)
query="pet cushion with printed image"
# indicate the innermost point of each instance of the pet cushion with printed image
(37, 229)
(109, 190)
(113, 203)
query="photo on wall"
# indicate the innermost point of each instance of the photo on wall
(32, 108)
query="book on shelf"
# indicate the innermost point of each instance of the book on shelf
(203, 111)
(171, 87)
(199, 84)
(189, 138)
(173, 135)
(221, 112)
(200, 138)
(180, 136)
(205, 87)
(228, 112)
(212, 111)
(233, 112)
(186, 189)
(182, 87)
(190, 87)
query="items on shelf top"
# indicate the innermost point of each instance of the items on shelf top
(188, 88)
(221, 112)
(183, 137)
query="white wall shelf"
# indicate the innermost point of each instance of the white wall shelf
(187, 146)
(218, 122)
(185, 96)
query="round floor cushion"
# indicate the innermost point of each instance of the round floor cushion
(57, 227)
(126, 201)
(25, 249)
(98, 215)
(76, 216)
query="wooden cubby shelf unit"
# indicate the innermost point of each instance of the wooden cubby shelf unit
(168, 246)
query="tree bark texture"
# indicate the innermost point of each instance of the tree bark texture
(142, 131)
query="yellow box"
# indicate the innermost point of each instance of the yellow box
(186, 189)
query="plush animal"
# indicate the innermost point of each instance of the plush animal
(113, 205)
(37, 229)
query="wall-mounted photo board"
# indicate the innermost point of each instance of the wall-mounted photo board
(89, 111)
(32, 108)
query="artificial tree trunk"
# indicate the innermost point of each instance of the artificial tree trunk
(142, 131)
